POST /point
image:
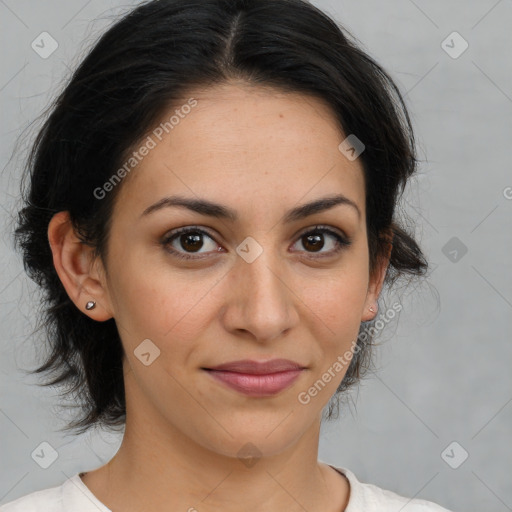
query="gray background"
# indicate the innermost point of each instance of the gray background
(444, 368)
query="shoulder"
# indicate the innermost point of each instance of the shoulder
(46, 500)
(71, 496)
(371, 498)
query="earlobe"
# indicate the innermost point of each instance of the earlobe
(376, 283)
(74, 263)
(370, 312)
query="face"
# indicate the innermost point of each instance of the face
(258, 284)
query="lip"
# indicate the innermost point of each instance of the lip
(258, 367)
(256, 378)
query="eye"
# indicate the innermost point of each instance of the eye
(314, 241)
(191, 240)
(185, 242)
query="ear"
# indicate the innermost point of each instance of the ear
(377, 281)
(81, 274)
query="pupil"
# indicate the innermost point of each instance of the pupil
(191, 242)
(316, 241)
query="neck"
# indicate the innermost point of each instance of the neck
(160, 467)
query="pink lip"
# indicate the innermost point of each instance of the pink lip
(257, 379)
(257, 367)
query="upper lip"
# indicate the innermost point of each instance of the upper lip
(258, 368)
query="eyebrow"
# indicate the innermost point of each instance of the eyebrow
(205, 207)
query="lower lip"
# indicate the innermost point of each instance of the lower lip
(256, 385)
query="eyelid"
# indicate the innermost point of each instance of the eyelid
(174, 233)
(342, 240)
(326, 228)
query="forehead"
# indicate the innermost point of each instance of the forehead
(240, 144)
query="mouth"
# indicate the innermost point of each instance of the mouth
(255, 378)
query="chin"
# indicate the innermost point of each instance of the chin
(255, 441)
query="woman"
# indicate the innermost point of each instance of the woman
(211, 214)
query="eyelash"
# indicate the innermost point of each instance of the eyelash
(341, 241)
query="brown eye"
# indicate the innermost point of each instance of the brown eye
(183, 242)
(313, 242)
(317, 239)
(191, 241)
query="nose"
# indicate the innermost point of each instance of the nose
(261, 301)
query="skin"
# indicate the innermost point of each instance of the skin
(261, 153)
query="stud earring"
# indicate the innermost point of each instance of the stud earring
(371, 309)
(90, 305)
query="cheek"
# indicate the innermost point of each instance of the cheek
(153, 302)
(338, 299)
(335, 308)
(335, 312)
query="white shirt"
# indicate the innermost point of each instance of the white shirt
(74, 496)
